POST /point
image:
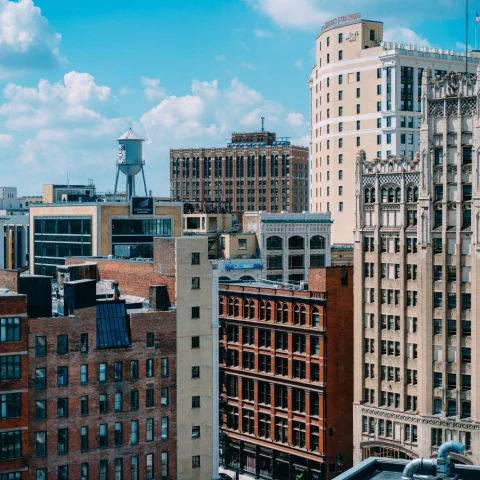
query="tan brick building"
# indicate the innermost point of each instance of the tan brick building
(255, 171)
(417, 291)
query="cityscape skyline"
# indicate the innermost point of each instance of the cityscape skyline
(63, 107)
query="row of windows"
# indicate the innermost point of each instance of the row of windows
(103, 469)
(391, 194)
(10, 329)
(385, 429)
(267, 309)
(295, 243)
(102, 371)
(63, 434)
(389, 244)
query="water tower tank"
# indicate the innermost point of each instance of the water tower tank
(130, 159)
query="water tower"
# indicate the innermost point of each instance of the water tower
(130, 163)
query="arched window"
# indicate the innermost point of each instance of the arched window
(274, 243)
(410, 194)
(317, 242)
(230, 307)
(247, 277)
(295, 243)
(315, 318)
(372, 195)
(391, 195)
(397, 195)
(262, 311)
(269, 312)
(221, 304)
(296, 315)
(384, 195)
(246, 309)
(236, 308)
(285, 313)
(223, 279)
(279, 313)
(366, 195)
(303, 316)
(415, 194)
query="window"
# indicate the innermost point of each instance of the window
(196, 431)
(102, 372)
(40, 346)
(118, 371)
(11, 443)
(103, 469)
(196, 461)
(84, 343)
(195, 258)
(195, 342)
(9, 330)
(149, 430)
(149, 368)
(196, 401)
(102, 435)
(379, 106)
(195, 312)
(340, 37)
(118, 469)
(164, 428)
(196, 372)
(62, 407)
(84, 471)
(134, 432)
(358, 108)
(62, 472)
(62, 376)
(149, 398)
(62, 344)
(340, 79)
(164, 464)
(41, 474)
(40, 408)
(134, 467)
(103, 403)
(372, 38)
(133, 369)
(164, 367)
(62, 441)
(10, 367)
(358, 93)
(118, 402)
(195, 283)
(84, 405)
(83, 373)
(84, 438)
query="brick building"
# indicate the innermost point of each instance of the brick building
(255, 171)
(287, 376)
(121, 386)
(14, 428)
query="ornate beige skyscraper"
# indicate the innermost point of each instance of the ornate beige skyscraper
(417, 245)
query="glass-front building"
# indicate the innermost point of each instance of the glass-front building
(138, 233)
(56, 238)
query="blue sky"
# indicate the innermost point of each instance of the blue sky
(74, 75)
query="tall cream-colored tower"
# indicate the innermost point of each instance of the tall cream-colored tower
(365, 95)
(417, 245)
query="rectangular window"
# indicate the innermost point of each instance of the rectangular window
(134, 400)
(164, 465)
(102, 372)
(149, 430)
(150, 471)
(133, 369)
(164, 428)
(62, 441)
(195, 258)
(9, 330)
(103, 470)
(102, 436)
(11, 367)
(83, 471)
(83, 373)
(62, 472)
(149, 398)
(149, 368)
(196, 401)
(196, 372)
(195, 342)
(83, 438)
(118, 402)
(196, 461)
(134, 468)
(134, 432)
(84, 405)
(118, 469)
(195, 283)
(62, 344)
(195, 312)
(164, 397)
(40, 346)
(62, 407)
(62, 376)
(103, 403)
(118, 438)
(118, 371)
(150, 340)
(84, 343)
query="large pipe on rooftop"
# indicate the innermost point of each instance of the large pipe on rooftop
(416, 466)
(452, 446)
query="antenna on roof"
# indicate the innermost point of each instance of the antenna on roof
(466, 38)
(263, 123)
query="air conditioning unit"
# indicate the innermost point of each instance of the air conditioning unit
(303, 285)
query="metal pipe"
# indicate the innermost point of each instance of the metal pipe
(417, 465)
(451, 446)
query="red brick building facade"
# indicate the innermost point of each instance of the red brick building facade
(14, 403)
(287, 376)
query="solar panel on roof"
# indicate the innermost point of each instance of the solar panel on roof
(112, 325)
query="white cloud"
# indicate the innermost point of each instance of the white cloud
(27, 40)
(220, 58)
(125, 91)
(262, 33)
(298, 63)
(5, 140)
(152, 88)
(296, 119)
(248, 66)
(460, 47)
(311, 14)
(405, 35)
